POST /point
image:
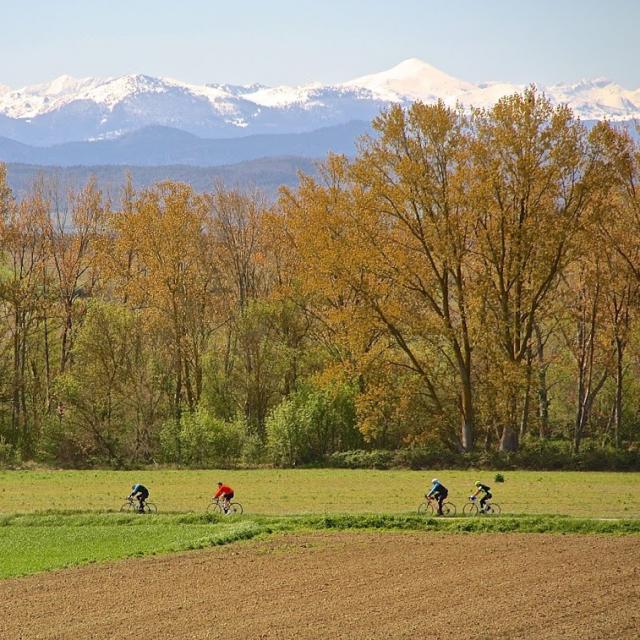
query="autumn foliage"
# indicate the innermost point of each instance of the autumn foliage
(468, 281)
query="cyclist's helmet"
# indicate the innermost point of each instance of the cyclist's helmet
(435, 481)
(478, 483)
(133, 486)
(219, 484)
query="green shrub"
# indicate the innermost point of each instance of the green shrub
(499, 477)
(61, 444)
(359, 459)
(253, 449)
(8, 454)
(542, 456)
(311, 424)
(434, 457)
(170, 441)
(286, 440)
(200, 439)
(608, 459)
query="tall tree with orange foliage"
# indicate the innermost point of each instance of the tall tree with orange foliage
(161, 262)
(24, 250)
(391, 233)
(532, 182)
(73, 232)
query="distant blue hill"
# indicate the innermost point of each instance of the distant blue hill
(265, 174)
(155, 146)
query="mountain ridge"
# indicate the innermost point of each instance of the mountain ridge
(67, 109)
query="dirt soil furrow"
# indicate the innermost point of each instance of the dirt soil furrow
(344, 585)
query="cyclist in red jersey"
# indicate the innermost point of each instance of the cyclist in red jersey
(227, 494)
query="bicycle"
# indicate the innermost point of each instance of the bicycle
(430, 508)
(132, 505)
(472, 508)
(217, 506)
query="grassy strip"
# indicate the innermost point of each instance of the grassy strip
(30, 543)
(511, 523)
(80, 519)
(505, 524)
(320, 491)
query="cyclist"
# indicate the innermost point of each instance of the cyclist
(227, 494)
(140, 492)
(482, 488)
(439, 492)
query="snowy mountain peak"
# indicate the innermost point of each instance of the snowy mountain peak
(112, 91)
(414, 79)
(62, 85)
(588, 84)
(285, 96)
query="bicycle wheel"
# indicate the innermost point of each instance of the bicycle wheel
(214, 507)
(235, 509)
(425, 509)
(128, 506)
(493, 509)
(449, 509)
(149, 507)
(470, 509)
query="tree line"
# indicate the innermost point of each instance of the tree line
(469, 281)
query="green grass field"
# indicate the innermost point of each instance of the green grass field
(308, 491)
(55, 519)
(29, 544)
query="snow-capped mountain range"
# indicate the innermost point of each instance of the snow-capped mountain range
(69, 109)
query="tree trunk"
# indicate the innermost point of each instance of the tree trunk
(509, 440)
(585, 406)
(66, 335)
(26, 444)
(617, 421)
(543, 393)
(524, 421)
(47, 354)
(468, 418)
(16, 404)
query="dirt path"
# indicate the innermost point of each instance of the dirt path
(345, 585)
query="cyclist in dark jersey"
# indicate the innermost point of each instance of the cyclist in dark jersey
(140, 492)
(484, 489)
(439, 492)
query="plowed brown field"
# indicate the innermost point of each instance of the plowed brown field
(345, 585)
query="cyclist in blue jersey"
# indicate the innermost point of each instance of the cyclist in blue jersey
(141, 493)
(439, 492)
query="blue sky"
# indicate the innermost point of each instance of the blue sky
(287, 41)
